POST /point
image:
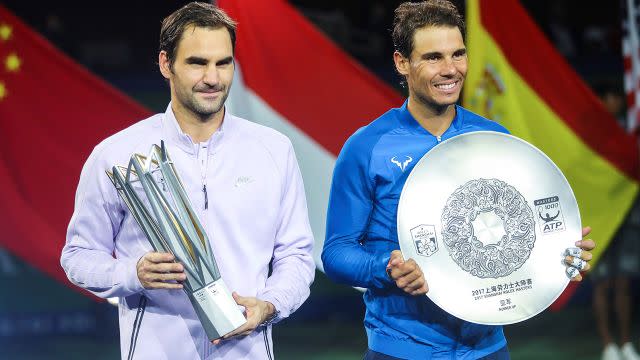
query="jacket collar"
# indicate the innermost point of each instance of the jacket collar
(173, 133)
(408, 121)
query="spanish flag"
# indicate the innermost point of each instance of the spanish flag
(517, 78)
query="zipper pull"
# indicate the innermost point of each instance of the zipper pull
(206, 198)
(439, 138)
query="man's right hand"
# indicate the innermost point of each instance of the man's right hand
(406, 274)
(158, 270)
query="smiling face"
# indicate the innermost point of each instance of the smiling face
(202, 72)
(436, 68)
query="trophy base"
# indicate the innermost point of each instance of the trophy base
(216, 309)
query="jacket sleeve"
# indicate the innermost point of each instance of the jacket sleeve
(351, 202)
(88, 255)
(293, 268)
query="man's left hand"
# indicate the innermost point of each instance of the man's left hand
(577, 259)
(256, 312)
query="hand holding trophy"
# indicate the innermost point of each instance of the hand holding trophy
(171, 225)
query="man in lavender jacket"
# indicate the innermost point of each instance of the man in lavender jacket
(242, 179)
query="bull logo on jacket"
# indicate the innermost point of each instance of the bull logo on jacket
(402, 165)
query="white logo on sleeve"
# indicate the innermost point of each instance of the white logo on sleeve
(402, 165)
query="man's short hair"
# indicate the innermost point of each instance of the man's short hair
(197, 14)
(409, 17)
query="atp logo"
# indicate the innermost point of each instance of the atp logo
(550, 216)
(402, 165)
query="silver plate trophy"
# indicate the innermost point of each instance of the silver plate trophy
(172, 226)
(488, 217)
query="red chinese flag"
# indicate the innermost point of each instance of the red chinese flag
(52, 113)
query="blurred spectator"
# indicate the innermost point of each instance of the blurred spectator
(7, 264)
(55, 29)
(613, 100)
(596, 39)
(619, 264)
(367, 40)
(561, 35)
(333, 23)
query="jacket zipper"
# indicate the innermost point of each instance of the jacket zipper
(203, 159)
(266, 342)
(206, 198)
(137, 323)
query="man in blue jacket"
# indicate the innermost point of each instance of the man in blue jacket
(361, 248)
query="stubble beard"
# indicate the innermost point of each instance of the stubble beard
(206, 110)
(429, 102)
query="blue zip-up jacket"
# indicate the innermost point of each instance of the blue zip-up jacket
(361, 233)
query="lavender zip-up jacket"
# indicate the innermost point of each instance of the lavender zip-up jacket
(254, 212)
